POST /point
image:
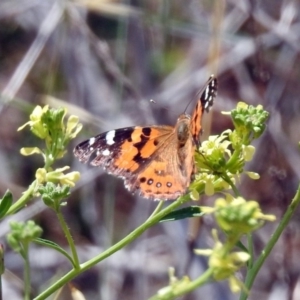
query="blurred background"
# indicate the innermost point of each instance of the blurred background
(104, 61)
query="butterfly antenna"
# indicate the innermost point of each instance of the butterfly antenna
(207, 93)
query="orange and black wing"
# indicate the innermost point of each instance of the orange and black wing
(204, 103)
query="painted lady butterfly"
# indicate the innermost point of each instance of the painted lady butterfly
(156, 160)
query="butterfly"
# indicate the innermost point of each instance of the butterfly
(157, 160)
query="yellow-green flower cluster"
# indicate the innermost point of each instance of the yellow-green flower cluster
(217, 161)
(221, 159)
(54, 194)
(224, 262)
(57, 176)
(176, 285)
(249, 121)
(49, 125)
(22, 234)
(36, 124)
(216, 151)
(54, 186)
(238, 216)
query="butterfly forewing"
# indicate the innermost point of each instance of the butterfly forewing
(205, 101)
(123, 151)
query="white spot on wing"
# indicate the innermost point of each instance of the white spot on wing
(110, 137)
(106, 152)
(92, 141)
(206, 93)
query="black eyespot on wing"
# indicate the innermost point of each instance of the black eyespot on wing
(143, 179)
(150, 181)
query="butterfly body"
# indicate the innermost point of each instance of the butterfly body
(156, 160)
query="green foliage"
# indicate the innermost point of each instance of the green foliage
(54, 246)
(5, 203)
(53, 195)
(222, 158)
(249, 123)
(238, 216)
(21, 235)
(52, 184)
(49, 125)
(224, 262)
(183, 213)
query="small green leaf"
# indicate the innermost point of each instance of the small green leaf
(54, 246)
(183, 213)
(5, 203)
(2, 267)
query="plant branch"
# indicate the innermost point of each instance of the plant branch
(229, 181)
(69, 238)
(274, 238)
(27, 195)
(121, 244)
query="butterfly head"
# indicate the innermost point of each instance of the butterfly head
(183, 129)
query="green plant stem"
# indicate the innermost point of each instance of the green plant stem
(27, 195)
(274, 238)
(157, 209)
(185, 287)
(250, 250)
(69, 238)
(233, 159)
(125, 241)
(27, 281)
(228, 180)
(48, 163)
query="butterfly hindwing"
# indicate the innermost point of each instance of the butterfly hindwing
(165, 176)
(156, 181)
